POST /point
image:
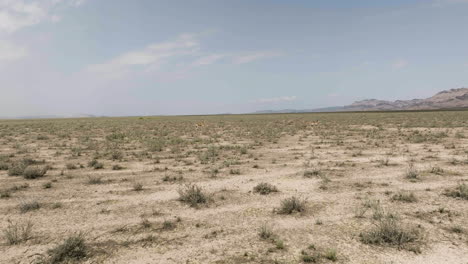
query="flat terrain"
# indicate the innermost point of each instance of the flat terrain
(292, 188)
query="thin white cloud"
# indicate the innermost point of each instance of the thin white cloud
(241, 58)
(151, 57)
(209, 59)
(246, 58)
(182, 53)
(10, 52)
(18, 14)
(400, 63)
(276, 99)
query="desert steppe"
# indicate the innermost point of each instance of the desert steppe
(374, 187)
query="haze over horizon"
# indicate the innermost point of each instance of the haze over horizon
(152, 57)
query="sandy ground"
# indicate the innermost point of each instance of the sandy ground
(357, 158)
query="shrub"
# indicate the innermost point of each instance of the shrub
(168, 178)
(95, 164)
(437, 170)
(16, 169)
(461, 191)
(390, 231)
(16, 233)
(71, 166)
(3, 165)
(156, 145)
(457, 229)
(34, 172)
(95, 180)
(310, 258)
(29, 206)
(411, 172)
(291, 205)
(47, 185)
(117, 167)
(145, 223)
(168, 225)
(315, 255)
(234, 172)
(72, 249)
(311, 173)
(265, 188)
(265, 232)
(330, 254)
(279, 244)
(116, 155)
(192, 195)
(137, 186)
(407, 197)
(5, 194)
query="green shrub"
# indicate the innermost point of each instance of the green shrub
(16, 233)
(291, 205)
(3, 165)
(95, 164)
(391, 232)
(311, 173)
(265, 188)
(71, 166)
(34, 172)
(331, 254)
(29, 206)
(72, 249)
(95, 180)
(5, 194)
(407, 197)
(234, 172)
(461, 191)
(411, 172)
(137, 187)
(117, 167)
(168, 225)
(192, 195)
(265, 232)
(16, 169)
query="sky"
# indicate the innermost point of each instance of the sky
(173, 57)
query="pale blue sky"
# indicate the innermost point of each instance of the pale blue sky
(151, 57)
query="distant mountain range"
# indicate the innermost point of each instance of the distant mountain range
(449, 99)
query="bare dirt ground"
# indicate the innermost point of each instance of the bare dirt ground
(337, 188)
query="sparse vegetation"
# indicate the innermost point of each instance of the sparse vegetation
(16, 233)
(461, 191)
(291, 205)
(95, 164)
(95, 180)
(29, 206)
(192, 195)
(265, 232)
(34, 172)
(303, 174)
(137, 186)
(265, 188)
(389, 231)
(411, 172)
(407, 197)
(74, 248)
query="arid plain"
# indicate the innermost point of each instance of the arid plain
(370, 187)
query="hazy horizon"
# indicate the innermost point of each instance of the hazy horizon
(130, 58)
